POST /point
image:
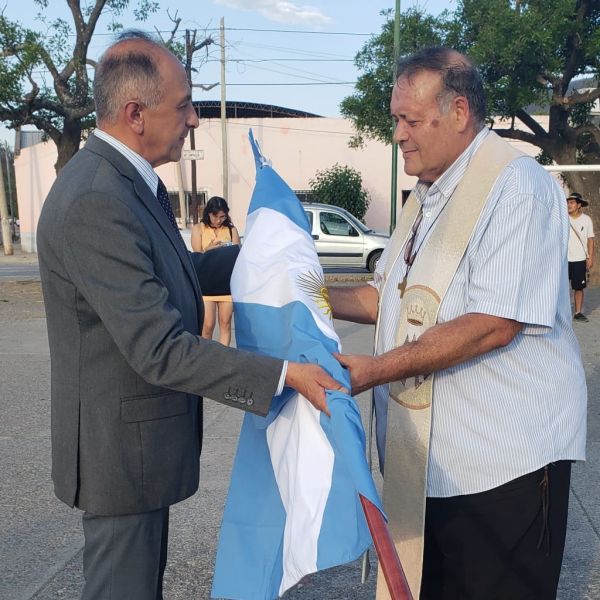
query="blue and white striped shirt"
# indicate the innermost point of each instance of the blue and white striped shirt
(515, 409)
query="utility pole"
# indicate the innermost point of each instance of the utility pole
(190, 48)
(11, 202)
(189, 53)
(224, 116)
(181, 194)
(6, 234)
(394, 195)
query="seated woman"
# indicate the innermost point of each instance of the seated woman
(216, 230)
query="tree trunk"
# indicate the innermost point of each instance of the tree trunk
(6, 233)
(68, 143)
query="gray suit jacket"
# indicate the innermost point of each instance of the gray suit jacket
(124, 313)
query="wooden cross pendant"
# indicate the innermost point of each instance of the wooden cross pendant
(402, 287)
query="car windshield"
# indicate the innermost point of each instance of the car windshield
(356, 222)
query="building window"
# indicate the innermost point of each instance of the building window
(174, 198)
(304, 195)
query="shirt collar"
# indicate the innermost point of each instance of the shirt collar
(443, 187)
(142, 166)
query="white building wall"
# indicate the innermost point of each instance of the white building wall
(34, 176)
(297, 148)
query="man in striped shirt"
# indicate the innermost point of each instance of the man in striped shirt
(509, 394)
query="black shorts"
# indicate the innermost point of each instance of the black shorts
(578, 274)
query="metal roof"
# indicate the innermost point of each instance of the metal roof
(211, 109)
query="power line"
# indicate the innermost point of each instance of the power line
(258, 30)
(301, 51)
(293, 71)
(300, 83)
(353, 33)
(263, 126)
(256, 60)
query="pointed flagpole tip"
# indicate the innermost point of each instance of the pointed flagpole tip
(259, 158)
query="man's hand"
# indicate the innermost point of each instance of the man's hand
(440, 347)
(362, 371)
(311, 381)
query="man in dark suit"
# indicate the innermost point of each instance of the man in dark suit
(124, 310)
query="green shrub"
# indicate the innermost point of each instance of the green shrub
(341, 186)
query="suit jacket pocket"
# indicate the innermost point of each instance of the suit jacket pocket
(157, 406)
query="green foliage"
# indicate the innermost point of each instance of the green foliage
(341, 186)
(529, 53)
(44, 78)
(369, 106)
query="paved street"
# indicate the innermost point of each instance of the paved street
(20, 272)
(41, 541)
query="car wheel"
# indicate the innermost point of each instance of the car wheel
(373, 260)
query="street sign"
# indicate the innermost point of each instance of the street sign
(188, 154)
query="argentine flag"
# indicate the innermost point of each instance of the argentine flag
(293, 505)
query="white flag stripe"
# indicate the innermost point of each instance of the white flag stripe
(303, 464)
(278, 260)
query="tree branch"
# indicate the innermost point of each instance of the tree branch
(546, 78)
(524, 136)
(83, 34)
(582, 97)
(56, 76)
(12, 50)
(207, 42)
(530, 122)
(176, 21)
(589, 128)
(573, 46)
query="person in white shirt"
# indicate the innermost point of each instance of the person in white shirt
(581, 250)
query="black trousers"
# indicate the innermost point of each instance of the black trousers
(124, 557)
(503, 544)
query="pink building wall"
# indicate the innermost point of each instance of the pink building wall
(298, 148)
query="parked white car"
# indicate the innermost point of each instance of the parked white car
(341, 239)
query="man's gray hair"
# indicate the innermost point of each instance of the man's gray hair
(127, 75)
(459, 76)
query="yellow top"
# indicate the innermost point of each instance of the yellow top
(209, 234)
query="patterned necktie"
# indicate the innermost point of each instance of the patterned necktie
(163, 198)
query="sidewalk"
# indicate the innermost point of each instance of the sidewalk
(41, 541)
(19, 257)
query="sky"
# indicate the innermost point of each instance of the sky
(293, 53)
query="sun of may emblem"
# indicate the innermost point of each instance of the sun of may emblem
(314, 285)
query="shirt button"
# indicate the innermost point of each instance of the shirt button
(427, 215)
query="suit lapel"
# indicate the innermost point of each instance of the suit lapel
(149, 200)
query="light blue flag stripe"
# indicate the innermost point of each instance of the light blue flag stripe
(250, 561)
